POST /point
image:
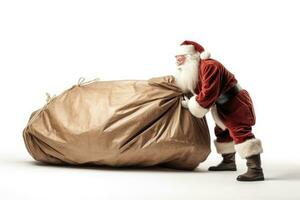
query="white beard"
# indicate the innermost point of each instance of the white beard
(186, 75)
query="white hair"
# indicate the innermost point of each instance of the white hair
(186, 75)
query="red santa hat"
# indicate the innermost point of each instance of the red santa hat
(190, 47)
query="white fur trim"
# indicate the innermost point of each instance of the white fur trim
(224, 147)
(249, 148)
(196, 109)
(205, 55)
(185, 49)
(216, 117)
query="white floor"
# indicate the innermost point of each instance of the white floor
(23, 178)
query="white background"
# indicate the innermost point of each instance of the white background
(45, 46)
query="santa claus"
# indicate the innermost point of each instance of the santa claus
(211, 86)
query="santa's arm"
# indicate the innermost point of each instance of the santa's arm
(209, 92)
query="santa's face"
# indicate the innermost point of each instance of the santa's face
(180, 59)
(186, 75)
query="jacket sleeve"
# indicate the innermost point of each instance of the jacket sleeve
(210, 85)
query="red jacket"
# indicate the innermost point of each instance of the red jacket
(214, 79)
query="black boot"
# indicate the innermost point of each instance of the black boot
(227, 164)
(254, 172)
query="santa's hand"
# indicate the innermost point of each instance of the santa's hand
(185, 102)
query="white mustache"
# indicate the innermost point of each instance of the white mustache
(178, 65)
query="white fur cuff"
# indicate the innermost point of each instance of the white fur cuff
(249, 148)
(224, 147)
(215, 116)
(196, 109)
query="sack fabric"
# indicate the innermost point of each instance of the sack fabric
(118, 123)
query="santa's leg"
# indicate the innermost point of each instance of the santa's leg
(238, 116)
(249, 149)
(224, 146)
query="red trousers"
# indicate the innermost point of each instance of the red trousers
(238, 116)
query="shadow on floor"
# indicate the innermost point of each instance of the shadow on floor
(116, 169)
(284, 171)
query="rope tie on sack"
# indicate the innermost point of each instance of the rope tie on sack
(49, 98)
(82, 81)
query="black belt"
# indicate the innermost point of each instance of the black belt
(229, 94)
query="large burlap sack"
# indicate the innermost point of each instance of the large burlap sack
(118, 123)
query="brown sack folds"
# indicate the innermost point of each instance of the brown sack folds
(118, 123)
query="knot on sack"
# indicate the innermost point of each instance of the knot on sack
(49, 97)
(82, 81)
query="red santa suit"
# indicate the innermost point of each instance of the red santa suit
(235, 117)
